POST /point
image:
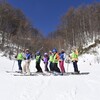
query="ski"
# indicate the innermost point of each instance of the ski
(81, 73)
(13, 72)
(57, 74)
(69, 73)
(17, 73)
(25, 75)
(44, 74)
(33, 74)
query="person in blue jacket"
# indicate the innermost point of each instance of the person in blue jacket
(27, 58)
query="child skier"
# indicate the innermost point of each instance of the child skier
(51, 61)
(19, 59)
(74, 58)
(55, 61)
(27, 58)
(61, 61)
(45, 60)
(38, 60)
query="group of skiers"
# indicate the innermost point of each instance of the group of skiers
(53, 58)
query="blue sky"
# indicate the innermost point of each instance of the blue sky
(45, 14)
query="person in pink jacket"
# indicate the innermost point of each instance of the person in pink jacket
(61, 61)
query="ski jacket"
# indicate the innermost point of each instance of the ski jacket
(38, 58)
(74, 56)
(55, 58)
(20, 56)
(62, 56)
(28, 56)
(51, 58)
(45, 59)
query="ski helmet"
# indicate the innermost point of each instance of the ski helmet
(54, 50)
(38, 53)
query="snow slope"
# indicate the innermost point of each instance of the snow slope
(71, 87)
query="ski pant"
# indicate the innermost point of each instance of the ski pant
(26, 67)
(51, 66)
(39, 69)
(61, 63)
(55, 67)
(19, 64)
(75, 66)
(46, 66)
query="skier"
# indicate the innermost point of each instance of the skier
(55, 61)
(45, 60)
(38, 60)
(51, 61)
(19, 59)
(27, 58)
(74, 58)
(61, 61)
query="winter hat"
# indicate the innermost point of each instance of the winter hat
(50, 52)
(45, 54)
(27, 50)
(62, 50)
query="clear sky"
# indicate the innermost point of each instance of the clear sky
(45, 14)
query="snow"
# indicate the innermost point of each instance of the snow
(70, 87)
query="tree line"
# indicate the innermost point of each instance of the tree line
(16, 31)
(78, 27)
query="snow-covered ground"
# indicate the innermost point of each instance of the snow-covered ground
(70, 87)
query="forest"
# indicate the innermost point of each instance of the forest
(78, 27)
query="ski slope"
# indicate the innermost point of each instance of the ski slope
(70, 87)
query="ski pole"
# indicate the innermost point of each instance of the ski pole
(40, 49)
(13, 65)
(67, 66)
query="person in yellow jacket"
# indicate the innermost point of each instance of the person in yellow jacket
(51, 61)
(55, 61)
(19, 59)
(38, 60)
(74, 58)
